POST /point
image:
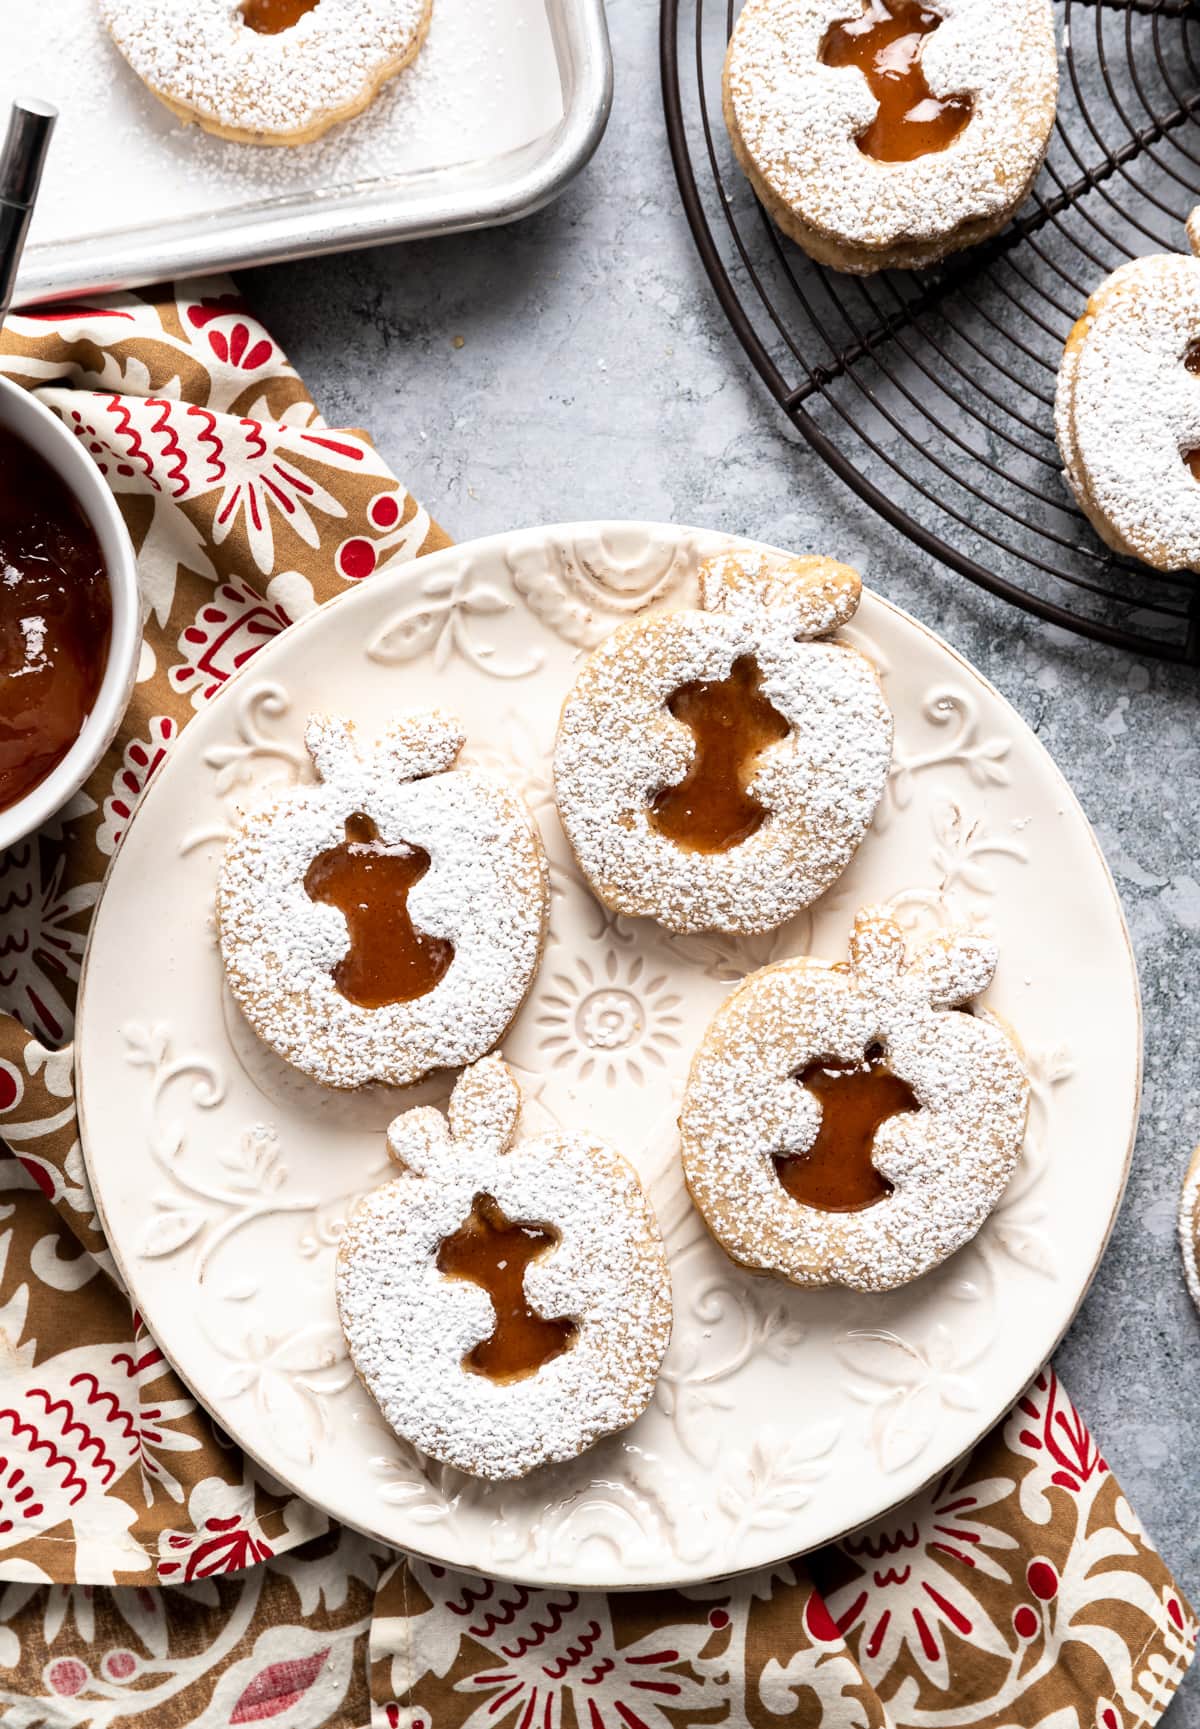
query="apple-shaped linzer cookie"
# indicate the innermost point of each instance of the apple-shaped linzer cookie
(506, 1301)
(717, 766)
(884, 134)
(846, 1124)
(386, 920)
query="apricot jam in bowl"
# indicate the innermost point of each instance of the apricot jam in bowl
(69, 614)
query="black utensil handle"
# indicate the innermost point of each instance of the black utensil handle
(22, 158)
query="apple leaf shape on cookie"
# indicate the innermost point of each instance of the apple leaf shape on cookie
(386, 920)
(1127, 408)
(423, 1290)
(742, 708)
(945, 1163)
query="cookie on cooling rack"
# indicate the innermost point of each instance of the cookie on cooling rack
(388, 919)
(1127, 408)
(717, 767)
(267, 71)
(506, 1301)
(887, 133)
(1189, 1227)
(842, 1125)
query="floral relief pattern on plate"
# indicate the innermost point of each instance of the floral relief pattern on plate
(984, 759)
(580, 588)
(609, 1015)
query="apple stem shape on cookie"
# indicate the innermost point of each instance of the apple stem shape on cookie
(717, 766)
(505, 1300)
(811, 1068)
(388, 919)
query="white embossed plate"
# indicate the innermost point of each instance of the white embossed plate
(782, 1418)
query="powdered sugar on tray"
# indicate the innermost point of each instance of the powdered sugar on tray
(409, 1327)
(485, 891)
(484, 83)
(949, 1162)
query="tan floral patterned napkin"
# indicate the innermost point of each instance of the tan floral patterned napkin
(153, 1577)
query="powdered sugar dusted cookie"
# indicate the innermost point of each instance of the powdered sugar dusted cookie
(842, 1125)
(387, 920)
(716, 769)
(266, 71)
(887, 133)
(505, 1301)
(1189, 1227)
(1127, 409)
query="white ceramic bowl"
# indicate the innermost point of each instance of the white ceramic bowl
(22, 414)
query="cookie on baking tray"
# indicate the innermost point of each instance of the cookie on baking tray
(717, 767)
(506, 1301)
(842, 1125)
(388, 919)
(887, 133)
(267, 71)
(1127, 408)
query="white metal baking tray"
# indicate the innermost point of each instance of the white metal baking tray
(506, 101)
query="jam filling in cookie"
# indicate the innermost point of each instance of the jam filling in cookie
(271, 17)
(886, 44)
(717, 766)
(732, 722)
(847, 1125)
(837, 1174)
(388, 960)
(493, 1252)
(505, 1297)
(387, 919)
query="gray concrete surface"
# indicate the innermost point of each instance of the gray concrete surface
(577, 364)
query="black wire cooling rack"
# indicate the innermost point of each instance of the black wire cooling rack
(932, 393)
